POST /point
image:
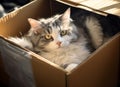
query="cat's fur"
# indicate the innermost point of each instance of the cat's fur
(67, 45)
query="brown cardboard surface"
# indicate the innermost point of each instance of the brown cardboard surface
(46, 75)
(16, 22)
(107, 6)
(78, 5)
(100, 69)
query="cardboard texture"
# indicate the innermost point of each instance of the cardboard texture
(99, 70)
(92, 70)
(106, 6)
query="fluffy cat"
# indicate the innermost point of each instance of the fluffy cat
(60, 40)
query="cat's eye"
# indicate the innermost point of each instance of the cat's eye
(48, 37)
(63, 32)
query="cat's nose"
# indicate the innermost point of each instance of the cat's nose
(58, 43)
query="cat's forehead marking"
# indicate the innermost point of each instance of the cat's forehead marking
(51, 23)
(50, 20)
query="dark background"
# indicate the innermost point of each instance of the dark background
(10, 5)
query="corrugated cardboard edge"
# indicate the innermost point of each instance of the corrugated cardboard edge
(9, 24)
(78, 5)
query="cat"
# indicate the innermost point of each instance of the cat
(60, 40)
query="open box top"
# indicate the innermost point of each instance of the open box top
(102, 6)
(100, 63)
(38, 9)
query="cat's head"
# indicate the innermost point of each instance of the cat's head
(53, 33)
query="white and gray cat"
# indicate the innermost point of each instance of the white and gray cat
(60, 40)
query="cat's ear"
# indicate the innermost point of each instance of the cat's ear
(35, 26)
(33, 23)
(66, 16)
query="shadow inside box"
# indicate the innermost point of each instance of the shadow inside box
(3, 85)
(119, 85)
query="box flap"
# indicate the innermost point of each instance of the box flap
(107, 6)
(101, 69)
(16, 23)
(46, 73)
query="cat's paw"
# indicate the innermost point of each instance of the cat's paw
(70, 67)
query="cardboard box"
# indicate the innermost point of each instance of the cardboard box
(20, 67)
